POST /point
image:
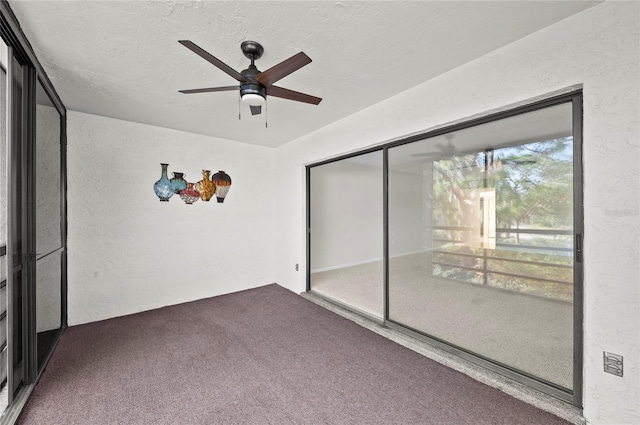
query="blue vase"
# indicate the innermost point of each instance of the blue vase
(178, 183)
(162, 187)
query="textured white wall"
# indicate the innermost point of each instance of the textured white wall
(598, 49)
(129, 252)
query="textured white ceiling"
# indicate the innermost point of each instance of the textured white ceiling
(122, 59)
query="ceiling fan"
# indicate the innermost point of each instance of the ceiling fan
(255, 85)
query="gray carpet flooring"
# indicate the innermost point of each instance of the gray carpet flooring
(532, 334)
(263, 356)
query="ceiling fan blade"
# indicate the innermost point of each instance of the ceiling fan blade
(255, 110)
(283, 69)
(212, 59)
(210, 89)
(292, 95)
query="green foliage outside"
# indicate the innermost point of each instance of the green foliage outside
(533, 193)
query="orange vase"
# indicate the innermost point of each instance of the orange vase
(205, 187)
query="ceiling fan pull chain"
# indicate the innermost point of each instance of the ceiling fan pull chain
(239, 108)
(266, 114)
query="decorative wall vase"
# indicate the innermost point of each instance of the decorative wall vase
(205, 187)
(223, 183)
(189, 195)
(178, 183)
(162, 187)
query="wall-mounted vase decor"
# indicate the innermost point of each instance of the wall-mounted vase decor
(162, 187)
(223, 183)
(178, 183)
(205, 187)
(189, 195)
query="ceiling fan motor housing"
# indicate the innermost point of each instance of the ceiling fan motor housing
(252, 86)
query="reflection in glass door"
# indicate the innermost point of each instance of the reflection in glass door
(491, 270)
(48, 215)
(346, 232)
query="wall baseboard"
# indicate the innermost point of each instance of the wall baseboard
(367, 261)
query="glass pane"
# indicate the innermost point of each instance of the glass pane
(490, 268)
(17, 164)
(4, 212)
(17, 339)
(49, 302)
(48, 193)
(3, 145)
(48, 223)
(347, 232)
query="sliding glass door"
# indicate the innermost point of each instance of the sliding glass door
(493, 272)
(18, 249)
(49, 210)
(4, 229)
(346, 222)
(32, 218)
(482, 240)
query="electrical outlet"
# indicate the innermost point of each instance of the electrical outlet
(612, 363)
(296, 267)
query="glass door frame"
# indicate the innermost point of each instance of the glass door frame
(575, 97)
(35, 369)
(575, 396)
(378, 316)
(308, 207)
(17, 170)
(21, 51)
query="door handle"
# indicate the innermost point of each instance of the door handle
(578, 248)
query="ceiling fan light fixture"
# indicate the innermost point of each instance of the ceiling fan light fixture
(253, 99)
(253, 93)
